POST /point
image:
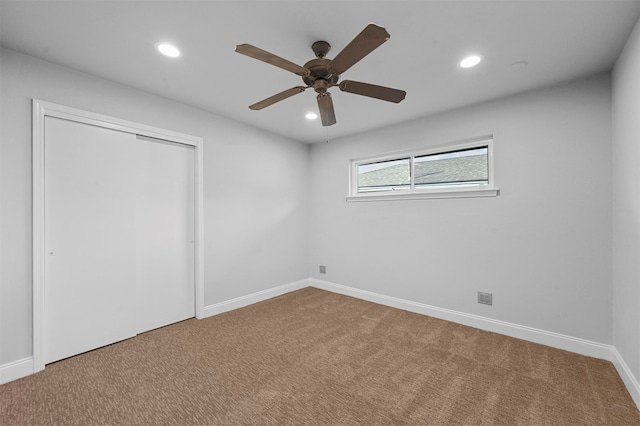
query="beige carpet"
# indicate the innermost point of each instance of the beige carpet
(316, 358)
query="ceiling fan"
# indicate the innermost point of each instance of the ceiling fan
(322, 73)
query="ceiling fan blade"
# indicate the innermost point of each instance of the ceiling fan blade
(373, 91)
(364, 43)
(270, 58)
(277, 98)
(327, 113)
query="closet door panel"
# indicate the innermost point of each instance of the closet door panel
(90, 237)
(165, 234)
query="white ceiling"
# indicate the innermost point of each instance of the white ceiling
(560, 40)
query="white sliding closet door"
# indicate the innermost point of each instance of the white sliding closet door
(165, 234)
(119, 232)
(90, 238)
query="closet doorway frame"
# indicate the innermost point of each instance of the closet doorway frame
(42, 109)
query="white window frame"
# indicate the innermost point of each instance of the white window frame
(453, 191)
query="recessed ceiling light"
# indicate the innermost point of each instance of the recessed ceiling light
(311, 116)
(470, 61)
(168, 50)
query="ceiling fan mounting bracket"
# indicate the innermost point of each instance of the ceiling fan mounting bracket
(320, 48)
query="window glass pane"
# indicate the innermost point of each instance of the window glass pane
(390, 175)
(465, 167)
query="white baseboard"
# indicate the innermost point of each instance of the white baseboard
(16, 370)
(626, 375)
(249, 299)
(548, 338)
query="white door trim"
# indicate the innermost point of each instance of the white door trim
(40, 109)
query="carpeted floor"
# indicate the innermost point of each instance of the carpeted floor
(317, 358)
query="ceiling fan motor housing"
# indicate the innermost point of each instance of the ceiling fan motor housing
(319, 76)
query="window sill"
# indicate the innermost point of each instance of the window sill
(419, 195)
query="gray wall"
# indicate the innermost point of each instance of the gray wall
(255, 189)
(543, 247)
(626, 203)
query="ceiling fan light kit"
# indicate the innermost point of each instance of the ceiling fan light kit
(322, 74)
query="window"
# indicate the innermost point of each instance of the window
(456, 170)
(463, 167)
(391, 175)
